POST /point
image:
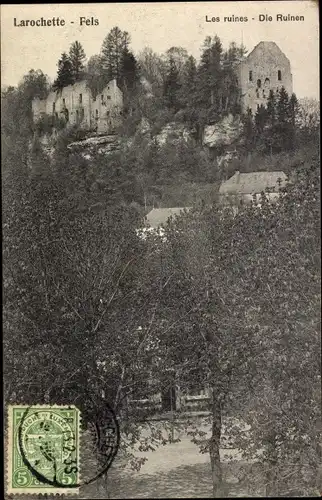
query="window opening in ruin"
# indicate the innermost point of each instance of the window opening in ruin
(54, 106)
(266, 81)
(77, 115)
(108, 97)
(82, 114)
(259, 84)
(96, 114)
(64, 103)
(80, 98)
(279, 75)
(250, 76)
(257, 93)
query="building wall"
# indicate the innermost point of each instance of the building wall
(180, 400)
(265, 68)
(76, 104)
(106, 108)
(238, 199)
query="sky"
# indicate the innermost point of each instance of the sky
(160, 26)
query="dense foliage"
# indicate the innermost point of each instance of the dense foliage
(241, 312)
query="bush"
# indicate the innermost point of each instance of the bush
(47, 123)
(286, 161)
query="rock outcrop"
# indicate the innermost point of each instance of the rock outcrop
(225, 132)
(102, 144)
(174, 132)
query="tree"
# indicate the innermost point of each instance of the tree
(94, 75)
(234, 54)
(129, 81)
(65, 73)
(189, 83)
(209, 72)
(261, 118)
(229, 82)
(248, 130)
(129, 73)
(282, 106)
(308, 121)
(293, 114)
(153, 68)
(284, 129)
(294, 105)
(194, 318)
(177, 56)
(77, 58)
(309, 113)
(277, 123)
(172, 86)
(234, 313)
(271, 108)
(284, 423)
(67, 267)
(17, 118)
(113, 47)
(34, 84)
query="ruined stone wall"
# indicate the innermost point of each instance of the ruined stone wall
(73, 103)
(76, 105)
(107, 107)
(265, 68)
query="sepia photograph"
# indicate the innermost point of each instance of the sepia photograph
(161, 250)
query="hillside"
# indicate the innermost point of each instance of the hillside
(184, 126)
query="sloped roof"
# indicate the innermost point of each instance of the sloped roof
(159, 216)
(264, 47)
(268, 45)
(252, 183)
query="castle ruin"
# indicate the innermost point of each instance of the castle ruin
(265, 68)
(77, 106)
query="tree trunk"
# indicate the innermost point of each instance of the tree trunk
(212, 99)
(214, 447)
(271, 472)
(106, 486)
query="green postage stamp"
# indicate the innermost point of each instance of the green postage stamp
(43, 449)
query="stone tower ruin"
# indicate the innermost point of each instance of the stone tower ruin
(265, 68)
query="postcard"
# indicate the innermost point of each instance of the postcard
(161, 249)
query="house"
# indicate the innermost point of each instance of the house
(243, 187)
(265, 68)
(160, 216)
(157, 218)
(77, 106)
